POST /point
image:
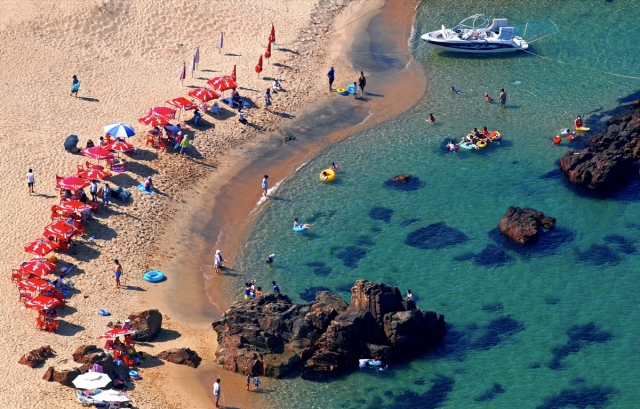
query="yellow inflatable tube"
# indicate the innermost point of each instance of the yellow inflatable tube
(327, 175)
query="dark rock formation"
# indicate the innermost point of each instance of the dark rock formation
(36, 357)
(87, 355)
(147, 325)
(272, 336)
(181, 356)
(405, 183)
(522, 225)
(610, 159)
(401, 178)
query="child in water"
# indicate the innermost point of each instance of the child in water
(431, 118)
(557, 140)
(487, 97)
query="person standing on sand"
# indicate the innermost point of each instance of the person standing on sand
(362, 82)
(503, 97)
(267, 99)
(118, 272)
(75, 86)
(265, 185)
(217, 263)
(94, 190)
(106, 195)
(216, 391)
(256, 381)
(248, 380)
(31, 181)
(332, 76)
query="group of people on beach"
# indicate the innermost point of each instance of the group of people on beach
(361, 83)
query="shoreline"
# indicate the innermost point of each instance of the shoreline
(231, 203)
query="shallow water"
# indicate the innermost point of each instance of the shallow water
(548, 327)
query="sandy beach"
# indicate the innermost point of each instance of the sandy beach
(127, 56)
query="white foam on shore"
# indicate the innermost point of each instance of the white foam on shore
(270, 192)
(301, 166)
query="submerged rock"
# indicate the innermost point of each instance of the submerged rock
(272, 336)
(522, 225)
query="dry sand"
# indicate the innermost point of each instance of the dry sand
(128, 55)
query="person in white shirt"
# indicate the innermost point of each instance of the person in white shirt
(216, 391)
(217, 264)
(31, 181)
(409, 296)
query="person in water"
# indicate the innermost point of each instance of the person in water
(557, 140)
(503, 97)
(431, 118)
(452, 147)
(333, 167)
(298, 225)
(571, 136)
(579, 123)
(485, 132)
(487, 97)
(325, 175)
(457, 91)
(409, 296)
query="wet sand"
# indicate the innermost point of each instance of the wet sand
(221, 217)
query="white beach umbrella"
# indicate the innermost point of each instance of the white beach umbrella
(119, 129)
(183, 72)
(192, 66)
(197, 55)
(220, 41)
(111, 395)
(91, 380)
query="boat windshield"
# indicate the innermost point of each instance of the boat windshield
(475, 22)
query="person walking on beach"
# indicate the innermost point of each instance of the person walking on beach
(265, 185)
(276, 289)
(184, 145)
(217, 263)
(106, 195)
(256, 381)
(75, 86)
(503, 97)
(31, 181)
(267, 99)
(216, 391)
(118, 272)
(94, 190)
(248, 382)
(362, 82)
(332, 76)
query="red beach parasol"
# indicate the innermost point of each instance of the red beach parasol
(42, 302)
(182, 103)
(203, 94)
(72, 206)
(38, 266)
(267, 53)
(97, 152)
(233, 74)
(72, 183)
(272, 36)
(91, 174)
(116, 332)
(35, 284)
(163, 111)
(41, 246)
(120, 146)
(259, 65)
(222, 83)
(155, 120)
(60, 230)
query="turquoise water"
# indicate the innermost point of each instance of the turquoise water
(552, 327)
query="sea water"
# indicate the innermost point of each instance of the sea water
(550, 326)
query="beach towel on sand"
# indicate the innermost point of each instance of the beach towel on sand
(141, 188)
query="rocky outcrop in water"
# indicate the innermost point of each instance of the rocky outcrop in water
(523, 225)
(272, 336)
(611, 158)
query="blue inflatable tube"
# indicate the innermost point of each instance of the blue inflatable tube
(153, 276)
(300, 229)
(351, 89)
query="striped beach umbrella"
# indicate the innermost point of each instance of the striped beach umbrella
(119, 129)
(220, 41)
(183, 72)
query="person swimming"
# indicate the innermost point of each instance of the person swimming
(298, 225)
(487, 97)
(333, 167)
(457, 91)
(452, 147)
(557, 140)
(325, 175)
(431, 118)
(270, 258)
(578, 123)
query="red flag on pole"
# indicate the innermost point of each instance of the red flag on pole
(233, 73)
(267, 54)
(183, 72)
(259, 66)
(272, 36)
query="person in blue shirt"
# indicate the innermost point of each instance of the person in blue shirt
(265, 185)
(331, 74)
(75, 86)
(276, 289)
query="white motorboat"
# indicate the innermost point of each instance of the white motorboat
(475, 35)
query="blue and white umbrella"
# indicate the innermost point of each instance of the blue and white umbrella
(119, 129)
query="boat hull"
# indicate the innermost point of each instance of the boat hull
(476, 46)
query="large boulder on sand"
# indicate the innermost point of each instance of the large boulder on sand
(147, 325)
(181, 356)
(36, 357)
(63, 376)
(522, 224)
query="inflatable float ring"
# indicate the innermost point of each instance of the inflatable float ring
(104, 313)
(300, 229)
(351, 89)
(153, 276)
